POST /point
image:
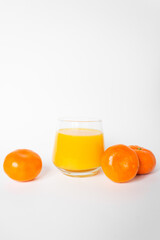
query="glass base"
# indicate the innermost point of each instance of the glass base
(83, 173)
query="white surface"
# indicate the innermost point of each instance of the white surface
(82, 59)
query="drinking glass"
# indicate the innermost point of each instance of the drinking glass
(78, 147)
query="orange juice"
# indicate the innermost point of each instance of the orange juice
(78, 149)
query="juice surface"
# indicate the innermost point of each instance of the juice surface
(78, 149)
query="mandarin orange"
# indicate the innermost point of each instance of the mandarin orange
(147, 159)
(22, 165)
(120, 163)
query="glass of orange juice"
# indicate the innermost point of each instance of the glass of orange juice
(78, 147)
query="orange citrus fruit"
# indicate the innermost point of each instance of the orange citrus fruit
(147, 159)
(120, 163)
(22, 165)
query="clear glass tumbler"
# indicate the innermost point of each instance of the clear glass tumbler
(78, 147)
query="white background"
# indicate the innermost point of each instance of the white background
(82, 59)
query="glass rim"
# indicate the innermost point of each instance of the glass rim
(83, 120)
